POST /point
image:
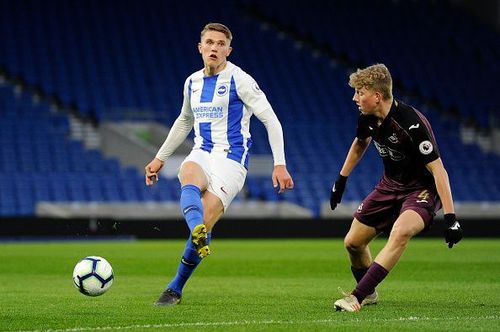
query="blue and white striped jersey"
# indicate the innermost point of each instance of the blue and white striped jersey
(220, 107)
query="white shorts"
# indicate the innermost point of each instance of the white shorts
(225, 176)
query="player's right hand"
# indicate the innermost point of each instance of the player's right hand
(337, 191)
(453, 233)
(151, 171)
(282, 178)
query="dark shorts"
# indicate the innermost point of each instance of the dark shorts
(380, 209)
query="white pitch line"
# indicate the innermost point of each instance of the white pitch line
(260, 322)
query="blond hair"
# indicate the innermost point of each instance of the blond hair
(374, 78)
(217, 27)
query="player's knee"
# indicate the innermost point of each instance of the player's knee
(400, 236)
(187, 175)
(352, 245)
(191, 173)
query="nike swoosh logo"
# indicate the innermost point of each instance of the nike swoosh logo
(415, 126)
(195, 90)
(186, 262)
(222, 188)
(188, 209)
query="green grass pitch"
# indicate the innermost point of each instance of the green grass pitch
(250, 285)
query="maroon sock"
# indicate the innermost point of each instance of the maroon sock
(358, 273)
(366, 286)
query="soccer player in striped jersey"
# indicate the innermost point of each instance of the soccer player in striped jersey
(218, 103)
(413, 188)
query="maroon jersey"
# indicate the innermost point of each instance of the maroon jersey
(406, 143)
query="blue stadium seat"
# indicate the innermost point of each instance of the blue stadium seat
(105, 59)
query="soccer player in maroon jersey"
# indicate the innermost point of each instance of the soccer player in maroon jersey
(413, 188)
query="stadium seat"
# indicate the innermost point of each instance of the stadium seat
(109, 63)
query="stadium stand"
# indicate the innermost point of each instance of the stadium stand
(113, 61)
(432, 49)
(38, 162)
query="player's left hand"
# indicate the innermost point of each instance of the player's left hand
(453, 232)
(282, 178)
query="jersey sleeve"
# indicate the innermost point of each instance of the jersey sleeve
(180, 129)
(253, 97)
(275, 135)
(424, 142)
(186, 101)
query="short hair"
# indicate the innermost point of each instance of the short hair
(217, 27)
(375, 78)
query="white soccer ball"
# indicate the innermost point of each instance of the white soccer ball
(93, 276)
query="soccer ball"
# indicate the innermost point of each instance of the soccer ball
(93, 276)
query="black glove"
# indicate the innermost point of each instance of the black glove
(367, 124)
(337, 191)
(453, 232)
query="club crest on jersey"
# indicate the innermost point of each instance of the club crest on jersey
(425, 147)
(222, 90)
(393, 138)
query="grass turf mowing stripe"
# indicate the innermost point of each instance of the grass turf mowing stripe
(264, 322)
(276, 285)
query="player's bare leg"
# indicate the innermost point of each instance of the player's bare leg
(213, 209)
(408, 224)
(192, 173)
(356, 243)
